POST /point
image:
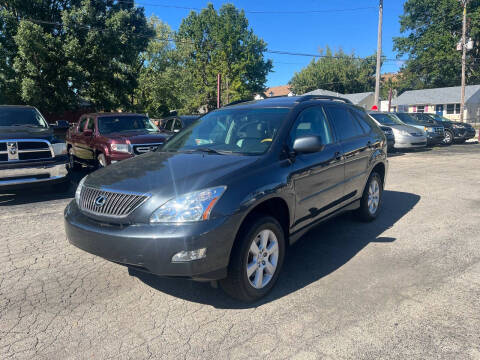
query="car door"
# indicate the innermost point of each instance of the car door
(78, 138)
(356, 147)
(317, 177)
(84, 149)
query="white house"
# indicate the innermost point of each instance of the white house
(442, 101)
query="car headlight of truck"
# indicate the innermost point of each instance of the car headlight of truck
(79, 191)
(59, 148)
(125, 148)
(194, 206)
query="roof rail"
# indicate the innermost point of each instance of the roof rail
(238, 102)
(323, 97)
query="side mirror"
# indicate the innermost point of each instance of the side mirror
(308, 144)
(88, 132)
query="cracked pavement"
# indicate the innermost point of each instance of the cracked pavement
(404, 286)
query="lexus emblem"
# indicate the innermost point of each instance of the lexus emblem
(12, 149)
(100, 200)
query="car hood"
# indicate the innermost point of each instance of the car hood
(25, 132)
(136, 137)
(165, 175)
(406, 128)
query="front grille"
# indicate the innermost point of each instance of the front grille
(420, 143)
(109, 203)
(24, 150)
(144, 148)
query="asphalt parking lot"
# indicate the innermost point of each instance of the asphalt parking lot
(404, 286)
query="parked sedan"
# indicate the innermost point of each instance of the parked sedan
(435, 133)
(406, 137)
(102, 139)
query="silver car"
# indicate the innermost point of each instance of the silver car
(406, 136)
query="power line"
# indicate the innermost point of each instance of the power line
(188, 41)
(272, 12)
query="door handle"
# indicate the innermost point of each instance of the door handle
(338, 156)
(369, 144)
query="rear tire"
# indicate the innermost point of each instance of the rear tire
(371, 201)
(250, 276)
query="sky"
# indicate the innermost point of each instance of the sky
(347, 24)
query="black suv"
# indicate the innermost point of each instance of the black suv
(30, 153)
(224, 198)
(455, 131)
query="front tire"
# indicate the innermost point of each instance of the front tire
(72, 164)
(256, 259)
(371, 201)
(448, 139)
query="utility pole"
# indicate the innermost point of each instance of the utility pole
(379, 54)
(219, 88)
(464, 56)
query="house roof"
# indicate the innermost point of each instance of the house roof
(448, 95)
(323, 92)
(357, 97)
(278, 90)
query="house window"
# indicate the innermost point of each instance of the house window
(453, 109)
(420, 108)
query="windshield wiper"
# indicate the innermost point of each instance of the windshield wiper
(212, 151)
(29, 125)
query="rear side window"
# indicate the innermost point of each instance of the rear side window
(177, 125)
(91, 124)
(311, 121)
(346, 127)
(363, 120)
(81, 125)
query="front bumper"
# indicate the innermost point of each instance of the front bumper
(434, 139)
(410, 142)
(23, 174)
(469, 134)
(150, 247)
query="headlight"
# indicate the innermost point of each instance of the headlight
(429, 129)
(455, 126)
(59, 148)
(121, 148)
(79, 190)
(194, 206)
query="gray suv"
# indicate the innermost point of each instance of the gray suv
(223, 199)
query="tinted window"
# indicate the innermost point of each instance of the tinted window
(21, 117)
(386, 119)
(177, 125)
(81, 125)
(244, 131)
(346, 127)
(169, 124)
(361, 117)
(407, 119)
(311, 121)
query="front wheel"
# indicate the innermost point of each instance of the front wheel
(101, 161)
(371, 199)
(72, 165)
(448, 139)
(256, 260)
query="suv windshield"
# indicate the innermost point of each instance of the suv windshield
(386, 119)
(243, 131)
(125, 123)
(21, 117)
(407, 119)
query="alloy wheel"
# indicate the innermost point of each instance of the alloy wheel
(373, 196)
(262, 259)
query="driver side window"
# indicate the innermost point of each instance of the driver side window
(311, 121)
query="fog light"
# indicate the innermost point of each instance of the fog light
(184, 256)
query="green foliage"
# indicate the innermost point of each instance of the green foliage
(58, 52)
(212, 42)
(339, 72)
(432, 29)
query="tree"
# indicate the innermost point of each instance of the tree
(432, 30)
(58, 52)
(212, 42)
(337, 72)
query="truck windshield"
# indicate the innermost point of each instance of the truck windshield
(21, 117)
(240, 131)
(125, 123)
(386, 119)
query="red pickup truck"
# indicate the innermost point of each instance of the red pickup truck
(101, 139)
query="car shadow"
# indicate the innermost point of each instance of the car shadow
(318, 253)
(46, 192)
